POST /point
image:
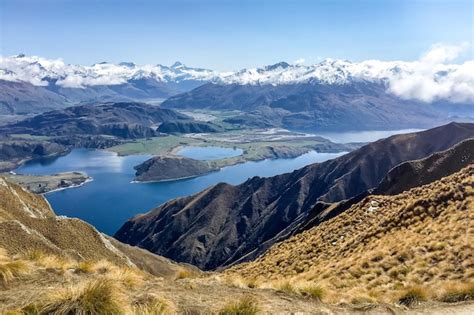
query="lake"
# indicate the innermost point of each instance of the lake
(362, 136)
(110, 199)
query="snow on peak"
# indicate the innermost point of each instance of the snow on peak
(427, 79)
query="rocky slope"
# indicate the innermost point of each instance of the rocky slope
(420, 172)
(422, 237)
(123, 120)
(225, 223)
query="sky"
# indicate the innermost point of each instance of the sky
(230, 35)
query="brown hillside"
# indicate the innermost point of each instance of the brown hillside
(383, 244)
(27, 223)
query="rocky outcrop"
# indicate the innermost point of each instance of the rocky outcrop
(225, 223)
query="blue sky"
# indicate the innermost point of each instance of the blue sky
(229, 35)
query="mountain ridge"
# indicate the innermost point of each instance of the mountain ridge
(223, 223)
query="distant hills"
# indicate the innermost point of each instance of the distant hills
(225, 224)
(124, 120)
(330, 95)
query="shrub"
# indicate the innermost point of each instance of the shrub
(100, 296)
(245, 306)
(412, 296)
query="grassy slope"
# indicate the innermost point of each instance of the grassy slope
(383, 245)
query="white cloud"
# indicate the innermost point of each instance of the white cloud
(431, 78)
(299, 61)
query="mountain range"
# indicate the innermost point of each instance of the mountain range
(333, 94)
(226, 224)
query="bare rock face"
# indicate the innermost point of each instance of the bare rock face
(161, 168)
(225, 224)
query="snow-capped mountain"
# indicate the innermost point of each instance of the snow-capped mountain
(41, 71)
(34, 84)
(423, 79)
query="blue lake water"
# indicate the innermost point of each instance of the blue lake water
(209, 153)
(110, 199)
(362, 136)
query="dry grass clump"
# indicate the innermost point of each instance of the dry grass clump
(101, 296)
(457, 293)
(11, 270)
(240, 282)
(313, 291)
(415, 238)
(186, 273)
(49, 260)
(151, 305)
(412, 296)
(247, 305)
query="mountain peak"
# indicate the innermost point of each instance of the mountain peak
(281, 64)
(127, 64)
(178, 64)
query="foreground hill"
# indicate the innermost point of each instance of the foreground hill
(124, 120)
(28, 224)
(421, 237)
(58, 265)
(225, 224)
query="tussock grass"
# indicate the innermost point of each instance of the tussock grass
(285, 286)
(457, 293)
(85, 267)
(414, 238)
(413, 296)
(245, 306)
(49, 260)
(185, 273)
(128, 277)
(11, 270)
(313, 291)
(151, 305)
(101, 296)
